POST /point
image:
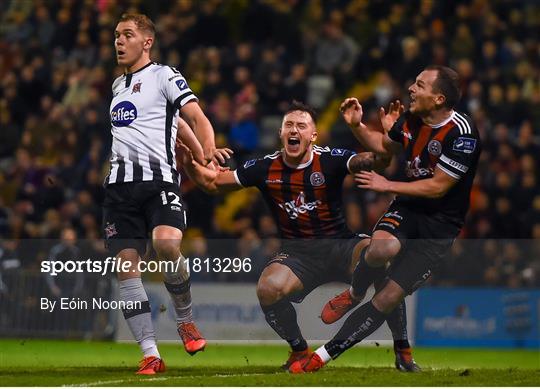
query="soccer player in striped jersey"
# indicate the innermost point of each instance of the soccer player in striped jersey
(442, 148)
(302, 185)
(142, 188)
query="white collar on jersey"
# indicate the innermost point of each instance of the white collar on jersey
(302, 165)
(445, 121)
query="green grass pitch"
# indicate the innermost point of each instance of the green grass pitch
(55, 363)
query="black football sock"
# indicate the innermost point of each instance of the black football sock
(281, 316)
(359, 325)
(396, 320)
(364, 275)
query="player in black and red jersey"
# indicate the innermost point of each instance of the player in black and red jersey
(442, 148)
(302, 185)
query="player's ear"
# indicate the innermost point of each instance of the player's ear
(314, 136)
(440, 99)
(148, 42)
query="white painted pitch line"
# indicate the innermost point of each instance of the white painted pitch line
(112, 382)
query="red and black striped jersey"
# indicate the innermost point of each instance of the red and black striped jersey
(305, 201)
(453, 146)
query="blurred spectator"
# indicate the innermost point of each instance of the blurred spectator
(65, 284)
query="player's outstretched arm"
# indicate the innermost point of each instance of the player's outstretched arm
(373, 140)
(434, 187)
(209, 178)
(202, 128)
(202, 176)
(186, 137)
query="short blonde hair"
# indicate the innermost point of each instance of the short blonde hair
(143, 22)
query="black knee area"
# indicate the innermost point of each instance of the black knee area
(364, 275)
(182, 288)
(282, 305)
(131, 312)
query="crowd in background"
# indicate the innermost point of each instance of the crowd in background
(246, 60)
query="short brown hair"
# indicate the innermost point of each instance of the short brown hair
(447, 84)
(143, 22)
(299, 106)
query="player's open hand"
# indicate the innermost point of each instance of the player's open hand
(371, 180)
(394, 112)
(222, 155)
(351, 110)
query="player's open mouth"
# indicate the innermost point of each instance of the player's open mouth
(120, 53)
(294, 144)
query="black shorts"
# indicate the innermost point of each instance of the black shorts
(318, 262)
(425, 241)
(132, 209)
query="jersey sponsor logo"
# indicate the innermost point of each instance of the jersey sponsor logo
(298, 206)
(249, 163)
(413, 169)
(434, 147)
(136, 88)
(464, 145)
(181, 84)
(316, 179)
(338, 152)
(276, 181)
(123, 114)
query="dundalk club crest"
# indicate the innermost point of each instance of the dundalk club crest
(136, 88)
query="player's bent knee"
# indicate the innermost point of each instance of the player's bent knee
(269, 291)
(380, 252)
(167, 249)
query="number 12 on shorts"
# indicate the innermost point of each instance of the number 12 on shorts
(174, 200)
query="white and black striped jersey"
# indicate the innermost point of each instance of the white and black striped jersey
(144, 121)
